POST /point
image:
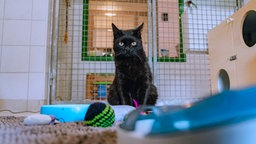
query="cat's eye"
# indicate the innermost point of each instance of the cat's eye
(121, 44)
(134, 43)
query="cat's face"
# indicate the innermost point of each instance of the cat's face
(128, 43)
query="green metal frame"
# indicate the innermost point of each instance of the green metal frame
(85, 57)
(84, 29)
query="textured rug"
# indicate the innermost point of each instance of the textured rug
(12, 131)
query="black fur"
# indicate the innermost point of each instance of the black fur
(133, 78)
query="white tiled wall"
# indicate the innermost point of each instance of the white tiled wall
(14, 85)
(18, 9)
(1, 9)
(23, 53)
(14, 59)
(16, 32)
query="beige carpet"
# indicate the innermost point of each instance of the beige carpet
(12, 131)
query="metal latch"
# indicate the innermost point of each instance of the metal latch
(232, 58)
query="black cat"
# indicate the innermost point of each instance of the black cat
(133, 78)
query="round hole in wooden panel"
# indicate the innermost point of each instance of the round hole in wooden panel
(223, 81)
(249, 28)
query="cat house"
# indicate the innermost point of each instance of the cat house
(232, 50)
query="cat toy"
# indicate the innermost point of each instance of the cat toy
(39, 119)
(136, 104)
(99, 115)
(228, 117)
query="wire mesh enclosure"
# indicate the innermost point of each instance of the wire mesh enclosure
(174, 39)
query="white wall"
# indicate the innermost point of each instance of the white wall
(245, 1)
(23, 45)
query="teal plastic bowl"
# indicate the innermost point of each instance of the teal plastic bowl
(66, 112)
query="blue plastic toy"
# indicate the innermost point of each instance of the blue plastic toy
(77, 112)
(225, 118)
(66, 112)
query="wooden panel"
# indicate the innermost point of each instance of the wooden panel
(225, 41)
(220, 50)
(246, 56)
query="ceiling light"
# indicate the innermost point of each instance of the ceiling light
(110, 14)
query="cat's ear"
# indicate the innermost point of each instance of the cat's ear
(138, 30)
(117, 33)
